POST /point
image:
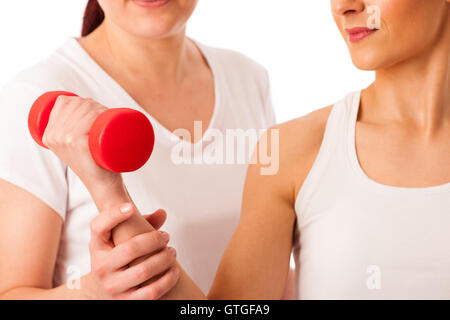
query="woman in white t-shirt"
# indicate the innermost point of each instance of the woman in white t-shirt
(132, 54)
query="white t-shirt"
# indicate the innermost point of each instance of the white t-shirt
(202, 200)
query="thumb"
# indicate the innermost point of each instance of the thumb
(157, 218)
(103, 224)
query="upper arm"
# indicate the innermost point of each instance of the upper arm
(33, 195)
(29, 238)
(255, 264)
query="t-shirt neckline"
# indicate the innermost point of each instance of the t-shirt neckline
(125, 96)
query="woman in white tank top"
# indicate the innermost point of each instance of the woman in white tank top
(364, 185)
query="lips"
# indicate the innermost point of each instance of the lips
(151, 4)
(359, 33)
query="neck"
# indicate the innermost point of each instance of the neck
(161, 59)
(416, 91)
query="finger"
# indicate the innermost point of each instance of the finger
(157, 218)
(83, 116)
(69, 122)
(61, 110)
(65, 108)
(147, 269)
(99, 108)
(143, 271)
(105, 221)
(139, 246)
(61, 103)
(157, 289)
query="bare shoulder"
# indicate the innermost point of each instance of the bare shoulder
(299, 143)
(300, 136)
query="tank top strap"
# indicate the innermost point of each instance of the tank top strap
(340, 123)
(334, 147)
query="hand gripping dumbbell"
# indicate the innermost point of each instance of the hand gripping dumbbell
(120, 140)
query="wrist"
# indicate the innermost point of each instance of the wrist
(109, 194)
(90, 288)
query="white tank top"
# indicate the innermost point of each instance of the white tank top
(202, 198)
(359, 239)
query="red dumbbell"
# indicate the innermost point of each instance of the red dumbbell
(120, 140)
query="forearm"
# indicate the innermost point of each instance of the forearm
(108, 197)
(62, 292)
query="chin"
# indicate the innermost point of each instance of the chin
(369, 60)
(365, 64)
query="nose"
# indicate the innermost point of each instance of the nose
(347, 7)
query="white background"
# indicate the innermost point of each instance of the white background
(295, 40)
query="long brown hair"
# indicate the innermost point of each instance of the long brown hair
(93, 17)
